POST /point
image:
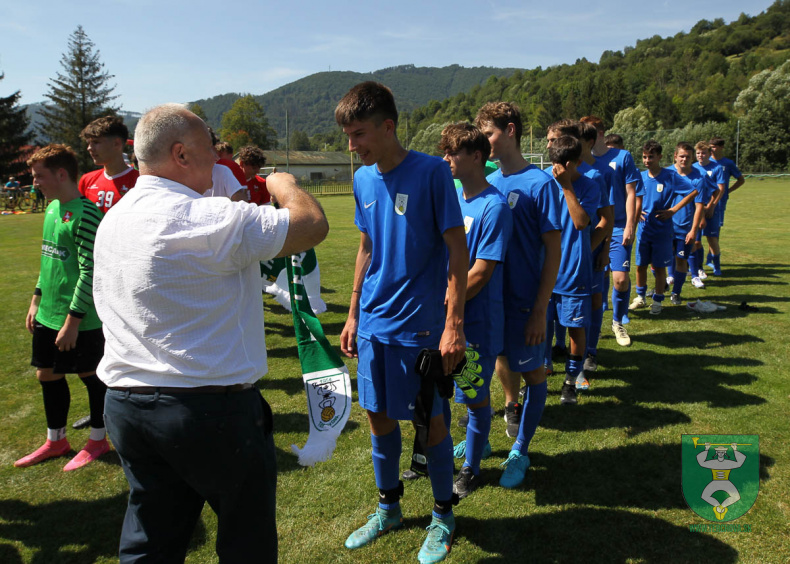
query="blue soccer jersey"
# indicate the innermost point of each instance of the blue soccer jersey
(730, 171)
(533, 200)
(576, 269)
(659, 195)
(488, 223)
(404, 212)
(683, 219)
(714, 172)
(624, 172)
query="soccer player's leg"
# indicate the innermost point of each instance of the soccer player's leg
(55, 393)
(574, 312)
(620, 264)
(596, 321)
(90, 348)
(526, 362)
(682, 251)
(712, 231)
(476, 446)
(661, 257)
(372, 381)
(642, 260)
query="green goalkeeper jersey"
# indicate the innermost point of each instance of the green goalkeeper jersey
(65, 280)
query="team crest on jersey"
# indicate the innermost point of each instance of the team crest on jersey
(613, 165)
(512, 198)
(659, 188)
(468, 223)
(710, 173)
(67, 217)
(401, 200)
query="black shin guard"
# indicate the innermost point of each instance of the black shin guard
(96, 392)
(391, 496)
(443, 507)
(56, 402)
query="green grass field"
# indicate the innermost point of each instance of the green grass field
(605, 482)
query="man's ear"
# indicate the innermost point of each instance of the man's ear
(178, 153)
(390, 126)
(511, 130)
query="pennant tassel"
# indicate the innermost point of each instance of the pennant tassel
(326, 379)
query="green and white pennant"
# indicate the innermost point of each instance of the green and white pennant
(326, 380)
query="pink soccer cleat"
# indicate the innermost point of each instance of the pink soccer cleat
(92, 451)
(50, 449)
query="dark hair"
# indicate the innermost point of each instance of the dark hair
(653, 146)
(500, 114)
(108, 126)
(54, 157)
(564, 149)
(588, 131)
(463, 135)
(367, 101)
(567, 127)
(717, 141)
(614, 139)
(252, 156)
(223, 147)
(684, 145)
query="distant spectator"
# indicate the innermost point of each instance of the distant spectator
(225, 153)
(614, 141)
(252, 159)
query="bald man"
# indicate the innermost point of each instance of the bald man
(177, 281)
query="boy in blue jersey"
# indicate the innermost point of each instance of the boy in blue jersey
(579, 198)
(712, 213)
(488, 224)
(656, 230)
(531, 266)
(687, 220)
(625, 186)
(730, 171)
(599, 240)
(408, 214)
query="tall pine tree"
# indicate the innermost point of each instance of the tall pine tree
(77, 96)
(13, 135)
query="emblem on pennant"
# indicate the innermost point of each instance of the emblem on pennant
(720, 474)
(401, 200)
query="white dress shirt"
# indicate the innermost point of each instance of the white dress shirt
(177, 285)
(225, 183)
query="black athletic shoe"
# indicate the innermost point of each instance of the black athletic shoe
(465, 483)
(512, 419)
(82, 422)
(416, 472)
(568, 394)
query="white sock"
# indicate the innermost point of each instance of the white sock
(98, 434)
(56, 434)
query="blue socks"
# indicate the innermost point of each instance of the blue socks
(641, 291)
(594, 331)
(386, 459)
(619, 304)
(440, 466)
(534, 402)
(559, 334)
(477, 431)
(658, 297)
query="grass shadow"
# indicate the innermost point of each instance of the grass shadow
(635, 419)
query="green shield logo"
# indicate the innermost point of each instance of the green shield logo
(721, 474)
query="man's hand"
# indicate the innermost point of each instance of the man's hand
(691, 236)
(734, 446)
(709, 209)
(628, 235)
(602, 260)
(348, 337)
(67, 336)
(535, 328)
(563, 175)
(665, 215)
(707, 446)
(30, 319)
(452, 347)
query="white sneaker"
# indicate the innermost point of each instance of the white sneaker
(655, 308)
(670, 280)
(675, 299)
(701, 274)
(637, 302)
(621, 334)
(697, 283)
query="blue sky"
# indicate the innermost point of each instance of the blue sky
(164, 51)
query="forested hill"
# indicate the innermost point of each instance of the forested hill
(311, 100)
(689, 77)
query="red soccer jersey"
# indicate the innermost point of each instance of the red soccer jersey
(105, 191)
(258, 192)
(235, 169)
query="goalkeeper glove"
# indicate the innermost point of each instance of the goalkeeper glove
(467, 374)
